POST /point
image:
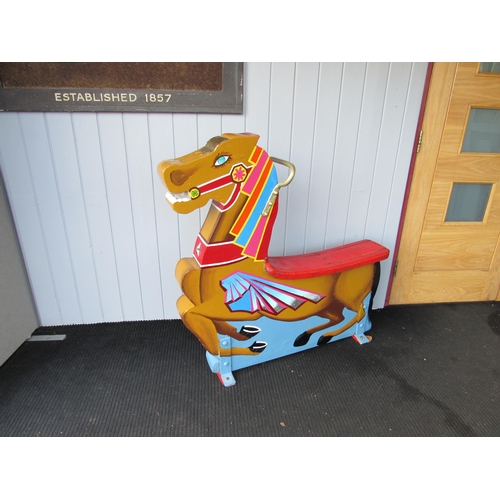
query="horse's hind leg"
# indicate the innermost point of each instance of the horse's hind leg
(333, 313)
(351, 289)
(326, 337)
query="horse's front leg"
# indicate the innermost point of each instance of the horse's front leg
(196, 319)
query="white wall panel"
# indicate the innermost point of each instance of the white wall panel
(92, 175)
(281, 92)
(67, 173)
(302, 141)
(367, 147)
(327, 113)
(100, 241)
(257, 81)
(142, 176)
(346, 144)
(116, 166)
(167, 221)
(47, 200)
(19, 186)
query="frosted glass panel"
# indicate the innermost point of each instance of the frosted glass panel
(489, 67)
(468, 202)
(482, 134)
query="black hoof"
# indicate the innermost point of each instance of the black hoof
(302, 339)
(258, 346)
(324, 340)
(249, 331)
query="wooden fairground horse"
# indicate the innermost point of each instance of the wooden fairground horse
(244, 306)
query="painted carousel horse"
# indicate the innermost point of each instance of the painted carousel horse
(244, 306)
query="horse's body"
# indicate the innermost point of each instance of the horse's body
(230, 278)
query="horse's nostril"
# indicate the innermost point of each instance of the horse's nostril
(178, 177)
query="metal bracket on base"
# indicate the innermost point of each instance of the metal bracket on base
(363, 326)
(221, 365)
(361, 338)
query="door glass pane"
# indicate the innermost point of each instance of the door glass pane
(468, 202)
(489, 67)
(482, 134)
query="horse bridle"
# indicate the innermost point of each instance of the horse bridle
(233, 177)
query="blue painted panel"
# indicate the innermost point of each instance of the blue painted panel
(279, 337)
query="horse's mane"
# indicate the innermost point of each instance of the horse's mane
(252, 230)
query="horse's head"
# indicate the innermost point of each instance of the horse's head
(209, 173)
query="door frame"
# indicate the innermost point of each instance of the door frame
(411, 170)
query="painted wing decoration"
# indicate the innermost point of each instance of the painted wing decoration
(246, 292)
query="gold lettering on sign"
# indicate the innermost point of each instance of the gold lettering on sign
(112, 97)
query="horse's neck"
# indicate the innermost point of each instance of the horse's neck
(252, 231)
(217, 225)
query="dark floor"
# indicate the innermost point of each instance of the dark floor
(430, 370)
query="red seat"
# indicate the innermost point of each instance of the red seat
(331, 261)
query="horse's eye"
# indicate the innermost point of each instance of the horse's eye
(221, 160)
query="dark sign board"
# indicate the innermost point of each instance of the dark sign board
(123, 87)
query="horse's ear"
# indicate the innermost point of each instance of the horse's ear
(245, 139)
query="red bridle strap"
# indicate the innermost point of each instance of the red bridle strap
(237, 175)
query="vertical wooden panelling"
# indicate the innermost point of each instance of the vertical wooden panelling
(327, 111)
(257, 97)
(141, 178)
(367, 148)
(167, 221)
(185, 141)
(89, 155)
(302, 141)
(99, 239)
(123, 228)
(281, 93)
(20, 190)
(67, 173)
(392, 120)
(385, 165)
(47, 199)
(208, 126)
(346, 142)
(406, 140)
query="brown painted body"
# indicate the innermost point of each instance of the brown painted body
(202, 306)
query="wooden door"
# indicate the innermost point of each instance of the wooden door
(449, 244)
